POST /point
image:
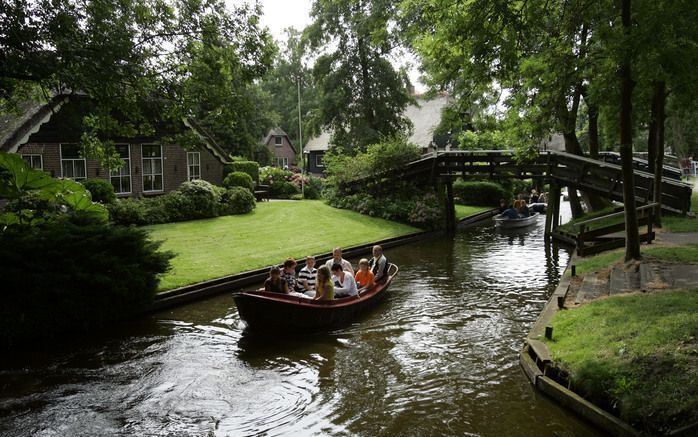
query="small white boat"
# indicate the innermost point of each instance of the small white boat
(509, 223)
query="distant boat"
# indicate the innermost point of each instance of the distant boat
(264, 310)
(505, 222)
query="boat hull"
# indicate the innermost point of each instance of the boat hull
(262, 310)
(508, 223)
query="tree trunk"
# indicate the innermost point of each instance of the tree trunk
(660, 116)
(652, 136)
(572, 146)
(632, 234)
(593, 113)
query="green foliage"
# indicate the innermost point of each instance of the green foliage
(102, 191)
(238, 179)
(238, 200)
(479, 192)
(62, 277)
(249, 167)
(203, 196)
(35, 197)
(280, 182)
(129, 211)
(362, 97)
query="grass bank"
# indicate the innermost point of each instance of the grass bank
(463, 211)
(636, 355)
(212, 248)
(678, 254)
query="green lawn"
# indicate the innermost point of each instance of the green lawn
(207, 249)
(637, 353)
(463, 211)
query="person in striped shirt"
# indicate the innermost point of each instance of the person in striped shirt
(306, 277)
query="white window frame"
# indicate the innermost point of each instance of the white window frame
(31, 157)
(191, 166)
(319, 160)
(120, 175)
(162, 168)
(282, 161)
(278, 140)
(73, 162)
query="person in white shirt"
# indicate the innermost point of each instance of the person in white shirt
(344, 283)
(337, 259)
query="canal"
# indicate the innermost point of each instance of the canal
(438, 357)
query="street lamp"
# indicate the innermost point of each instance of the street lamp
(300, 136)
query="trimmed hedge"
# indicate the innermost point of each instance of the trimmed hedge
(479, 193)
(89, 276)
(238, 179)
(249, 167)
(102, 191)
(238, 200)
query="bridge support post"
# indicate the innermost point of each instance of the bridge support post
(450, 207)
(553, 211)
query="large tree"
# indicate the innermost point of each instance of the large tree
(132, 56)
(289, 77)
(362, 96)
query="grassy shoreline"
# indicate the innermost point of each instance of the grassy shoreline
(212, 248)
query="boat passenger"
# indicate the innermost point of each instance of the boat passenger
(306, 277)
(344, 283)
(534, 196)
(275, 283)
(510, 213)
(502, 205)
(543, 198)
(519, 202)
(379, 265)
(337, 259)
(524, 211)
(324, 289)
(289, 275)
(364, 277)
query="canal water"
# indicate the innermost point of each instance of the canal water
(438, 357)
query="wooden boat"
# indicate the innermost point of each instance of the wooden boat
(509, 223)
(265, 310)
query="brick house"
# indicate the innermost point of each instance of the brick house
(282, 150)
(47, 136)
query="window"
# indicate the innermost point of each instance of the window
(282, 162)
(121, 179)
(34, 161)
(72, 165)
(152, 167)
(193, 165)
(318, 160)
(278, 141)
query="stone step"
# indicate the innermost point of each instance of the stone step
(623, 282)
(591, 288)
(656, 277)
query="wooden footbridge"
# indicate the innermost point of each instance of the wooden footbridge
(559, 169)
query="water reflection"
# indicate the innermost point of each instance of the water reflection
(438, 357)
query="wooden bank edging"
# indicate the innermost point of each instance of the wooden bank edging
(534, 359)
(189, 293)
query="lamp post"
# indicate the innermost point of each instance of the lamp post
(300, 137)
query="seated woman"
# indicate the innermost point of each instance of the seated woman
(344, 283)
(289, 275)
(510, 213)
(275, 283)
(364, 277)
(324, 289)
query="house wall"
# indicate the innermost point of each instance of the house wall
(313, 157)
(174, 166)
(285, 150)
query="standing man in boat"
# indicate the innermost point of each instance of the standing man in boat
(337, 259)
(379, 265)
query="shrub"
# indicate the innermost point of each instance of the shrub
(110, 273)
(480, 193)
(238, 200)
(238, 179)
(102, 191)
(279, 181)
(249, 167)
(204, 198)
(127, 212)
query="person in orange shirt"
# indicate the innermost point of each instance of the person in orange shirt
(364, 277)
